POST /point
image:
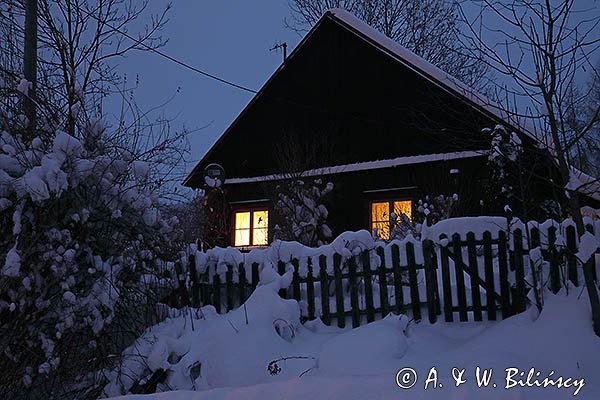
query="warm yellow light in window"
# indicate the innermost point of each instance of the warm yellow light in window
(380, 220)
(242, 229)
(403, 207)
(260, 224)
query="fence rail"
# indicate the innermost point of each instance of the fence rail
(462, 278)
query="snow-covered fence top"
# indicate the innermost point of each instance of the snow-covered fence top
(357, 276)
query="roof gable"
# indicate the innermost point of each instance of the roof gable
(345, 78)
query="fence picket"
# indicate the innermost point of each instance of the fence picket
(281, 271)
(242, 282)
(324, 280)
(488, 263)
(430, 280)
(518, 254)
(352, 281)
(366, 266)
(195, 287)
(310, 290)
(571, 234)
(383, 290)
(474, 275)
(216, 293)
(229, 287)
(296, 280)
(503, 275)
(446, 284)
(460, 279)
(553, 258)
(255, 276)
(414, 285)
(339, 292)
(398, 292)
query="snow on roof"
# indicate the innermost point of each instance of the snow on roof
(365, 166)
(433, 73)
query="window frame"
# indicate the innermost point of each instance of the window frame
(390, 203)
(251, 210)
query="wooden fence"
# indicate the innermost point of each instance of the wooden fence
(463, 278)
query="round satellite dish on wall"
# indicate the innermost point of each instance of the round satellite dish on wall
(214, 175)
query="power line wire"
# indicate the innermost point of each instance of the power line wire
(168, 57)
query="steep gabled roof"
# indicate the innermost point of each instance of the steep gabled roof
(399, 54)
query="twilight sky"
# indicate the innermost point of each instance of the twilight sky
(227, 38)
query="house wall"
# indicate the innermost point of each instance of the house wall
(349, 202)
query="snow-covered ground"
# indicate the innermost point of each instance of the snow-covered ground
(210, 356)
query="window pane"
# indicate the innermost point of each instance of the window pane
(381, 230)
(380, 212)
(261, 219)
(260, 223)
(403, 207)
(242, 229)
(242, 237)
(242, 220)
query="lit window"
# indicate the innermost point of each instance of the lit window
(251, 228)
(381, 220)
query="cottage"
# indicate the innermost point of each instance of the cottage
(353, 107)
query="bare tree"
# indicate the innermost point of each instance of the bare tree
(428, 28)
(543, 49)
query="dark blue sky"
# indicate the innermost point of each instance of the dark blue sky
(228, 38)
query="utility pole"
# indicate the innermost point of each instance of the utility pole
(30, 61)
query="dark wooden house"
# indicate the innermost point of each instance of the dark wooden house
(386, 127)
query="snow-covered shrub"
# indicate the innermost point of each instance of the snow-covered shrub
(429, 211)
(301, 212)
(81, 239)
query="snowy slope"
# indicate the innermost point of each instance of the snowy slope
(362, 363)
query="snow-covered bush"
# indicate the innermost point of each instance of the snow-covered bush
(301, 212)
(429, 211)
(81, 240)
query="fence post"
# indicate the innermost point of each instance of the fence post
(383, 292)
(430, 281)
(195, 289)
(366, 266)
(339, 292)
(414, 285)
(474, 275)
(488, 263)
(460, 278)
(325, 315)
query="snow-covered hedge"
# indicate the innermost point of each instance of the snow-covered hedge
(80, 226)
